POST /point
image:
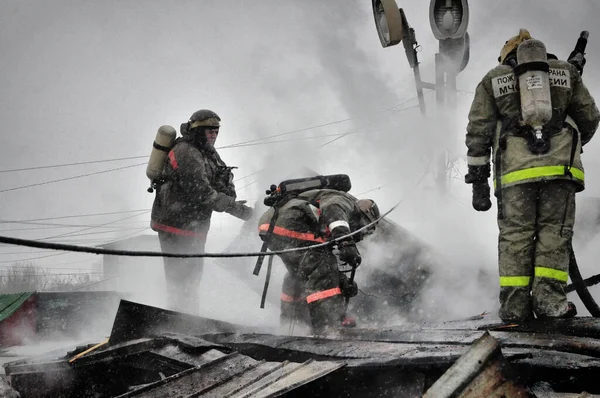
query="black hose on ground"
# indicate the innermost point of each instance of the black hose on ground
(580, 286)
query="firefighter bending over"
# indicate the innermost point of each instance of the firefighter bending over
(313, 283)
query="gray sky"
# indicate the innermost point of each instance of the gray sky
(93, 80)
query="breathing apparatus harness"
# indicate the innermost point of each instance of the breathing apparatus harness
(538, 141)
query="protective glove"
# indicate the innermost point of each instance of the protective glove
(348, 289)
(348, 253)
(240, 210)
(481, 196)
(477, 174)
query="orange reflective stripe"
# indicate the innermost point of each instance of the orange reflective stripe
(289, 299)
(174, 163)
(291, 234)
(323, 294)
(177, 231)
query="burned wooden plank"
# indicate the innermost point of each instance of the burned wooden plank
(111, 369)
(198, 379)
(134, 320)
(285, 380)
(578, 326)
(175, 353)
(481, 372)
(555, 342)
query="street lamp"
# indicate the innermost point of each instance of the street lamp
(388, 22)
(392, 27)
(449, 20)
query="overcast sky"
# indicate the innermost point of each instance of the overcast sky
(88, 81)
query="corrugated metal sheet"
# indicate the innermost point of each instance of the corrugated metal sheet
(9, 303)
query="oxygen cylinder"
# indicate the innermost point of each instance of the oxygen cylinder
(534, 85)
(338, 182)
(165, 137)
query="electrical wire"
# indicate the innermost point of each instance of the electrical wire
(71, 164)
(286, 133)
(71, 178)
(71, 216)
(74, 233)
(132, 253)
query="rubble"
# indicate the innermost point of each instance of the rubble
(153, 352)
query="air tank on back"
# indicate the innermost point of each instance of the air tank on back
(163, 142)
(534, 84)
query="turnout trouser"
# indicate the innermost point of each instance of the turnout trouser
(182, 275)
(533, 248)
(315, 272)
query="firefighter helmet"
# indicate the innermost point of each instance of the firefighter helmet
(512, 44)
(369, 209)
(196, 126)
(204, 118)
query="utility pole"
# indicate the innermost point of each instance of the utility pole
(449, 20)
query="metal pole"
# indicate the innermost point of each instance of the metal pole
(440, 96)
(451, 89)
(439, 80)
(419, 85)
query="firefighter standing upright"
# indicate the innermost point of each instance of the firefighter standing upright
(195, 182)
(313, 279)
(519, 113)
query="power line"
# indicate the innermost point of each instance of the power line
(33, 258)
(242, 144)
(71, 178)
(286, 133)
(133, 253)
(250, 175)
(121, 227)
(94, 283)
(374, 189)
(75, 233)
(4, 274)
(71, 216)
(48, 266)
(71, 164)
(239, 144)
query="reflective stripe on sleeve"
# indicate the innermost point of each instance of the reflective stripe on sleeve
(173, 161)
(339, 223)
(478, 160)
(323, 294)
(289, 299)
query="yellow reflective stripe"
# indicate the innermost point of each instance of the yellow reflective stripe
(506, 281)
(543, 171)
(544, 272)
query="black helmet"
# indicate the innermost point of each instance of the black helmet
(369, 213)
(198, 122)
(369, 209)
(204, 117)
